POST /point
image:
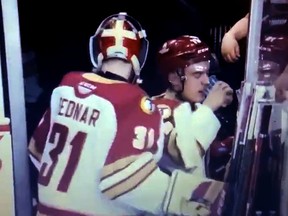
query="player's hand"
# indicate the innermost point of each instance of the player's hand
(281, 85)
(230, 48)
(221, 95)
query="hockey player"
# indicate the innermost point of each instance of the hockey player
(98, 144)
(190, 127)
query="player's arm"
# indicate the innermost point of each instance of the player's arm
(240, 29)
(195, 132)
(137, 182)
(37, 142)
(170, 133)
(132, 176)
(230, 49)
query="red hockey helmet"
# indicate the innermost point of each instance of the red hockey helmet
(119, 36)
(274, 50)
(182, 52)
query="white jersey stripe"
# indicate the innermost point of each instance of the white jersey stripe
(118, 165)
(132, 181)
(130, 170)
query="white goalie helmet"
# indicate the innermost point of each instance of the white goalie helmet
(119, 36)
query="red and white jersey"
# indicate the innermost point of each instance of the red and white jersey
(188, 133)
(98, 146)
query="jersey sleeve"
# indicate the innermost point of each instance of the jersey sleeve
(171, 158)
(136, 181)
(188, 133)
(131, 174)
(37, 142)
(195, 132)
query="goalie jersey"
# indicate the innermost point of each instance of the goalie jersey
(97, 148)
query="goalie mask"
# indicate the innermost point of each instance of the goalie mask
(119, 36)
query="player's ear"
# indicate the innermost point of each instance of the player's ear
(175, 81)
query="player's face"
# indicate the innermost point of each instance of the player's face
(196, 82)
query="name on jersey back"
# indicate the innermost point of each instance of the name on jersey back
(78, 112)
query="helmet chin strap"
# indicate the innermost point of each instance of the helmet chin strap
(181, 75)
(135, 79)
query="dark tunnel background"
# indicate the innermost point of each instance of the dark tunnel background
(55, 38)
(57, 35)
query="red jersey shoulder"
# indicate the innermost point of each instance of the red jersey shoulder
(127, 90)
(125, 97)
(143, 101)
(166, 106)
(71, 78)
(168, 102)
(138, 121)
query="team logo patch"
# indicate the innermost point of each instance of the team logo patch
(85, 87)
(147, 105)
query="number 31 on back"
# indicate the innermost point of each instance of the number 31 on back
(144, 138)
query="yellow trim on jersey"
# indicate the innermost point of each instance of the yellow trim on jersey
(132, 181)
(32, 148)
(117, 166)
(96, 78)
(127, 175)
